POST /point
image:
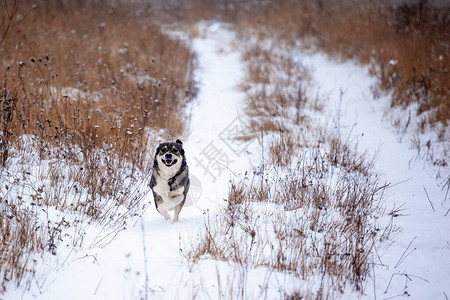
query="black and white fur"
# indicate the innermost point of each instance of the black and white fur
(170, 179)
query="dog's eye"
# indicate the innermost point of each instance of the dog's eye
(175, 150)
(164, 149)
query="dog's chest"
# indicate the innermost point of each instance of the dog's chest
(162, 188)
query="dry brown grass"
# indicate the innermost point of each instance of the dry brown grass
(301, 224)
(20, 239)
(407, 44)
(100, 74)
(86, 89)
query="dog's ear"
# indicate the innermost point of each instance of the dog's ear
(155, 161)
(158, 149)
(178, 141)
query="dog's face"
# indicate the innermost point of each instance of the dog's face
(169, 154)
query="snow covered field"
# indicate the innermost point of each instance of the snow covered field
(147, 260)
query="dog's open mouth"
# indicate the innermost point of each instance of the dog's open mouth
(169, 162)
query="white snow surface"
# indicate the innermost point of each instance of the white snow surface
(146, 260)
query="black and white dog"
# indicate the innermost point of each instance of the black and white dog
(170, 179)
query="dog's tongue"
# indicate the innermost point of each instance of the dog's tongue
(169, 161)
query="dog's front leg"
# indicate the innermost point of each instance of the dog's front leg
(159, 203)
(180, 206)
(171, 202)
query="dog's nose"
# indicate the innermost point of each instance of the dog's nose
(168, 155)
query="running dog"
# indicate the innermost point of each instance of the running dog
(170, 179)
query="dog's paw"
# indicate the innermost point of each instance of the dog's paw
(166, 215)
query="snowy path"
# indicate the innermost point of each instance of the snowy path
(216, 112)
(418, 262)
